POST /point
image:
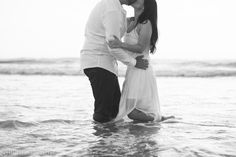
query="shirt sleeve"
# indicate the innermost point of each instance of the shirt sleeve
(112, 23)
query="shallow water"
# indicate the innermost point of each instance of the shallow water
(51, 116)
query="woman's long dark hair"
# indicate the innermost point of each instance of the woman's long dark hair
(150, 13)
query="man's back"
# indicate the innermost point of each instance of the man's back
(94, 32)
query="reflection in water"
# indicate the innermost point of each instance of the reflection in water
(126, 138)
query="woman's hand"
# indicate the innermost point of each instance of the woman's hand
(116, 43)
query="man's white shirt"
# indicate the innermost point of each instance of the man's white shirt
(107, 19)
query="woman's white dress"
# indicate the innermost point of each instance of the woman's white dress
(139, 88)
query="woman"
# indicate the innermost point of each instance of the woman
(139, 99)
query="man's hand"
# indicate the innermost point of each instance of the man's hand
(116, 43)
(141, 63)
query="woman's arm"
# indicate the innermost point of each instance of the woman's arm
(131, 24)
(129, 20)
(143, 41)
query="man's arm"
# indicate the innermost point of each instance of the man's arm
(111, 21)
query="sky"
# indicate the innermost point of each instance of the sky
(188, 29)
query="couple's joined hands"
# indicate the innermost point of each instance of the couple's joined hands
(140, 62)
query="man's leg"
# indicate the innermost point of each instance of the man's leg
(116, 99)
(106, 93)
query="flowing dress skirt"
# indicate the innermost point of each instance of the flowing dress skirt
(139, 92)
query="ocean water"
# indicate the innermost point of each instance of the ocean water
(164, 68)
(46, 110)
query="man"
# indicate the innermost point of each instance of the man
(99, 62)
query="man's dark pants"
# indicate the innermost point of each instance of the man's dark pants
(106, 92)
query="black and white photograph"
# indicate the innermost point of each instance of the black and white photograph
(117, 78)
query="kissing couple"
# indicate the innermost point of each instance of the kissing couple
(103, 47)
